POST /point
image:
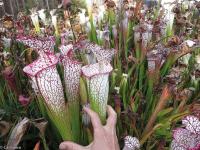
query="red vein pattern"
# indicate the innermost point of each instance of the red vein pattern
(72, 73)
(43, 44)
(100, 53)
(131, 143)
(44, 73)
(185, 138)
(64, 49)
(51, 89)
(192, 124)
(102, 67)
(188, 138)
(98, 84)
(43, 62)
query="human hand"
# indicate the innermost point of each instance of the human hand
(65, 2)
(105, 137)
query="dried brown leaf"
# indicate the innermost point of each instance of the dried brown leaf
(17, 133)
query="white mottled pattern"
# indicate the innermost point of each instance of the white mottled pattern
(34, 85)
(176, 146)
(44, 74)
(43, 44)
(64, 49)
(131, 143)
(185, 138)
(72, 73)
(100, 53)
(98, 84)
(44, 61)
(51, 89)
(192, 124)
(98, 87)
(102, 67)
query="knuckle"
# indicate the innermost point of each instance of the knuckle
(98, 130)
(111, 133)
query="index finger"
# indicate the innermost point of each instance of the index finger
(112, 117)
(96, 122)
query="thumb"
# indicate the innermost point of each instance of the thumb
(70, 146)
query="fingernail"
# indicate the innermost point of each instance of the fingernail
(62, 146)
(86, 106)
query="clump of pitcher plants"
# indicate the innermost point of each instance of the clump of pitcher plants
(141, 57)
